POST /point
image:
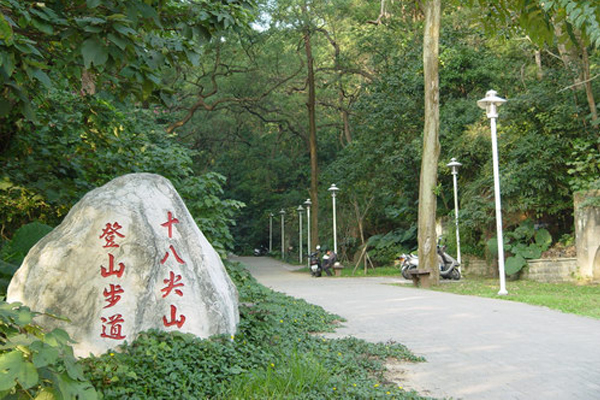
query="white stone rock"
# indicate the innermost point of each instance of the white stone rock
(171, 278)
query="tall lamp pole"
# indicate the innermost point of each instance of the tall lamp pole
(300, 209)
(282, 212)
(308, 203)
(333, 189)
(490, 104)
(454, 165)
(271, 232)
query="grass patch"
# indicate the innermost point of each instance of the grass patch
(348, 271)
(276, 354)
(566, 297)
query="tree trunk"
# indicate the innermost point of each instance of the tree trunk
(587, 80)
(431, 146)
(312, 135)
(538, 63)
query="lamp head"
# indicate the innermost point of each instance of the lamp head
(490, 103)
(333, 189)
(454, 165)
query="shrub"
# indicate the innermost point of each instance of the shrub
(36, 363)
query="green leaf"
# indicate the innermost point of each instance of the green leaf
(120, 42)
(93, 52)
(123, 29)
(93, 3)
(42, 77)
(46, 394)
(13, 368)
(543, 239)
(42, 26)
(44, 354)
(531, 252)
(514, 264)
(5, 107)
(73, 389)
(57, 337)
(7, 63)
(6, 32)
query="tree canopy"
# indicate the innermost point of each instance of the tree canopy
(270, 105)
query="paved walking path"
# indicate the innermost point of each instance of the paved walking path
(476, 348)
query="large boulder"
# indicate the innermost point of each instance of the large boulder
(127, 258)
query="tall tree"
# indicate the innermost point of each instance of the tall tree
(431, 146)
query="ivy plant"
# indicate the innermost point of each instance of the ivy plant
(35, 363)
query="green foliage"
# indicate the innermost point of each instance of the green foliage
(7, 271)
(538, 18)
(525, 243)
(24, 239)
(86, 142)
(585, 164)
(385, 248)
(20, 205)
(274, 354)
(35, 363)
(123, 43)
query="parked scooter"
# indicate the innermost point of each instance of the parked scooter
(448, 265)
(316, 269)
(261, 251)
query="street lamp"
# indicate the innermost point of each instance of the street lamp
(300, 209)
(282, 212)
(454, 165)
(308, 203)
(333, 189)
(490, 104)
(271, 232)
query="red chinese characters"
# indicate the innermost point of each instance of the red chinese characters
(106, 272)
(109, 233)
(115, 323)
(112, 295)
(112, 326)
(174, 321)
(173, 283)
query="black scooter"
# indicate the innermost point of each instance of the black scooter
(316, 269)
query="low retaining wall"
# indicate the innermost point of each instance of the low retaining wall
(551, 270)
(541, 270)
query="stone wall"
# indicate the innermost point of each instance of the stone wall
(472, 266)
(551, 270)
(542, 270)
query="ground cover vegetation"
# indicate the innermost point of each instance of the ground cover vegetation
(277, 353)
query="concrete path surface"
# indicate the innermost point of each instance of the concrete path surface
(476, 348)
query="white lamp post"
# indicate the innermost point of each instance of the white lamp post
(333, 189)
(271, 232)
(282, 212)
(490, 104)
(454, 165)
(308, 203)
(300, 209)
